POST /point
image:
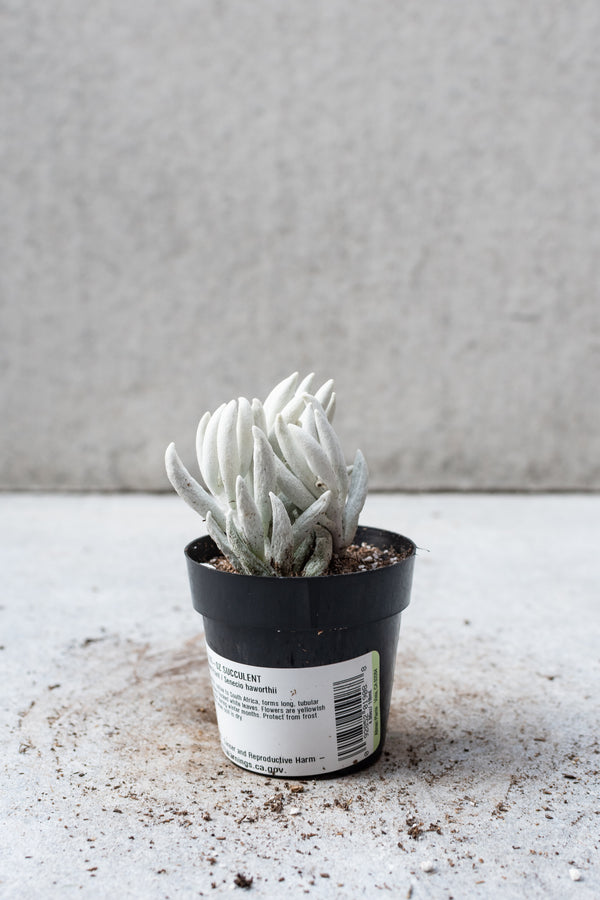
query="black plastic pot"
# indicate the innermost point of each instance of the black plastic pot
(302, 668)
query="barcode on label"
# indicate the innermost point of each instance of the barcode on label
(349, 726)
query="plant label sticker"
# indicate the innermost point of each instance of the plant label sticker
(297, 722)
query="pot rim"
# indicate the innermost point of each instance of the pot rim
(377, 536)
(300, 602)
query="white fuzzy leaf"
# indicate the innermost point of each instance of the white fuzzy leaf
(330, 408)
(325, 392)
(189, 489)
(227, 449)
(209, 466)
(303, 551)
(292, 487)
(245, 423)
(265, 476)
(282, 544)
(357, 494)
(220, 539)
(306, 384)
(281, 394)
(249, 562)
(321, 555)
(291, 411)
(249, 519)
(307, 419)
(200, 433)
(315, 514)
(330, 443)
(294, 456)
(316, 458)
(258, 414)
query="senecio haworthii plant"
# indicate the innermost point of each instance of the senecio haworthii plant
(278, 497)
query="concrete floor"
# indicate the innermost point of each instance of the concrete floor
(114, 783)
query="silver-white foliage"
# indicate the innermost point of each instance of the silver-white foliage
(277, 496)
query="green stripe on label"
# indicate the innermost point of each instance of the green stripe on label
(376, 702)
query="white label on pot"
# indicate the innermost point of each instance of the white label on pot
(297, 721)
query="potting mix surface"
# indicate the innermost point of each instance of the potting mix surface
(114, 782)
(361, 557)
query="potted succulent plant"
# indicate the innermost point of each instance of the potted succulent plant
(301, 606)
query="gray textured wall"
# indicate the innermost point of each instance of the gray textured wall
(200, 197)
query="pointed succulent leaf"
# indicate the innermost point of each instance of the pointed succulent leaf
(357, 494)
(321, 555)
(200, 432)
(292, 410)
(209, 466)
(291, 486)
(258, 414)
(220, 539)
(331, 445)
(330, 408)
(333, 524)
(188, 488)
(281, 394)
(325, 392)
(307, 419)
(249, 519)
(306, 384)
(282, 543)
(302, 553)
(315, 514)
(227, 449)
(250, 563)
(265, 476)
(316, 458)
(294, 456)
(311, 400)
(245, 423)
(290, 508)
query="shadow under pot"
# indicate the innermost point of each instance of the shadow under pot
(302, 668)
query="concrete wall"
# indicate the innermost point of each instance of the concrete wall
(199, 197)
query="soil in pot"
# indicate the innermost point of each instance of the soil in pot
(354, 558)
